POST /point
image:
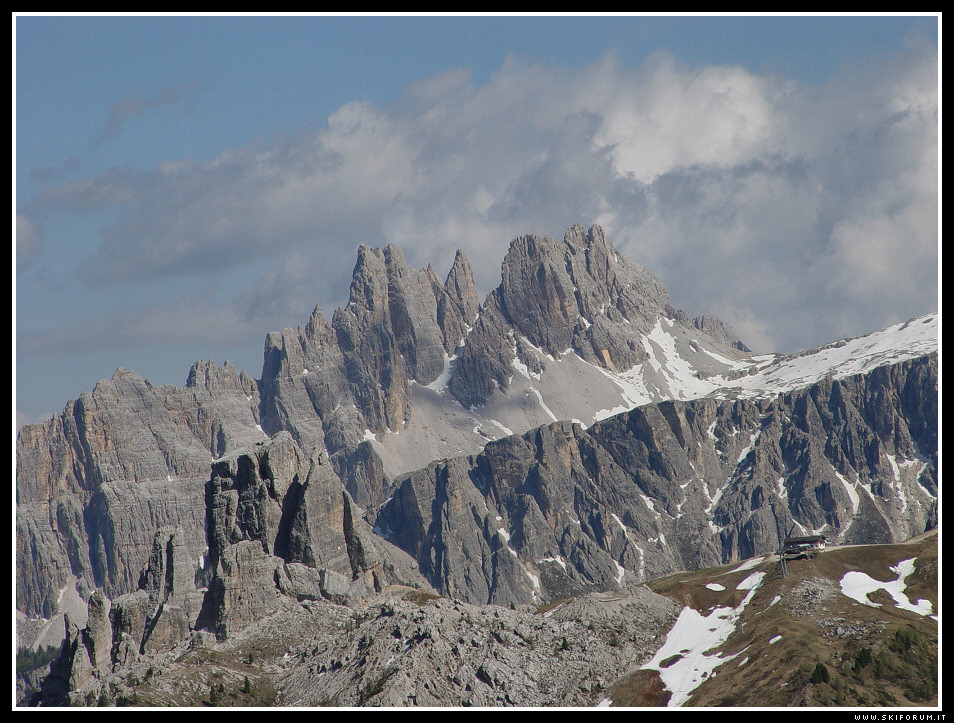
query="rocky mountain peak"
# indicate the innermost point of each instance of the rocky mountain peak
(368, 282)
(719, 330)
(210, 377)
(317, 324)
(461, 288)
(581, 295)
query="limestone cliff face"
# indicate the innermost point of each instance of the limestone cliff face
(578, 295)
(157, 616)
(279, 526)
(329, 385)
(95, 482)
(678, 485)
(280, 523)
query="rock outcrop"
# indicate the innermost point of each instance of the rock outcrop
(280, 523)
(700, 638)
(158, 616)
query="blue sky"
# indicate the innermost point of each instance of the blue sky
(186, 184)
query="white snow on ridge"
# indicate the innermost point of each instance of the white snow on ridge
(680, 375)
(844, 358)
(682, 365)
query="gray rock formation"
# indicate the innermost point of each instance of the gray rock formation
(677, 485)
(330, 385)
(413, 370)
(579, 295)
(697, 638)
(719, 330)
(158, 616)
(95, 482)
(280, 523)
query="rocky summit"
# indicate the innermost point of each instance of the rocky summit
(428, 462)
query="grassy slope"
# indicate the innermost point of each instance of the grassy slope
(833, 651)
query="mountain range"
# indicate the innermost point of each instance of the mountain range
(571, 435)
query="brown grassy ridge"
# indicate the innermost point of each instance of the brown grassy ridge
(829, 650)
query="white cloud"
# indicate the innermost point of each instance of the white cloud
(794, 212)
(651, 119)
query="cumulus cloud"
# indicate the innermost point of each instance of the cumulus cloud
(797, 213)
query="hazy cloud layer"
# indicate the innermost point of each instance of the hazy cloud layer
(130, 106)
(27, 237)
(798, 214)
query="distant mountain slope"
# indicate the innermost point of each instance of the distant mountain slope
(414, 369)
(561, 510)
(855, 626)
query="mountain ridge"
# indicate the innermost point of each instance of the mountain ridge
(74, 469)
(564, 466)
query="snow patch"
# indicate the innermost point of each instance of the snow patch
(841, 359)
(523, 369)
(543, 405)
(502, 428)
(850, 489)
(858, 585)
(747, 565)
(744, 453)
(439, 385)
(686, 664)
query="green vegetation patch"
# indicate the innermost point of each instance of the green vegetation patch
(29, 659)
